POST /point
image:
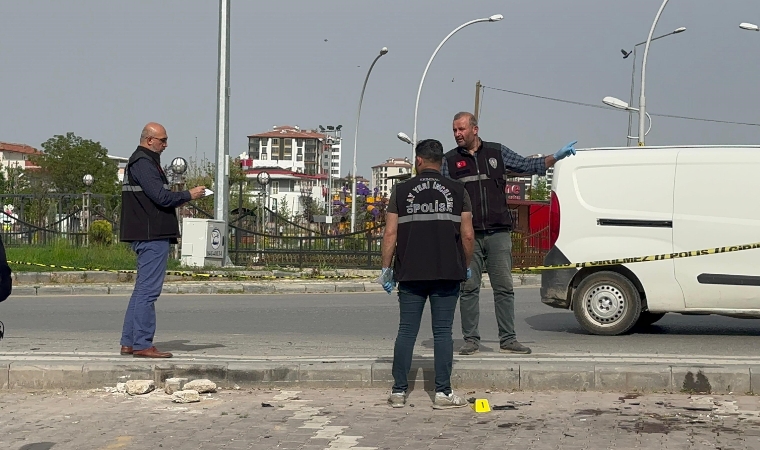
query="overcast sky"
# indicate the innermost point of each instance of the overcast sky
(102, 69)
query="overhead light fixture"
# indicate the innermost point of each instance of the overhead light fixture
(330, 128)
(339, 127)
(617, 103)
(404, 137)
(321, 128)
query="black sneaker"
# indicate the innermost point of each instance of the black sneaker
(469, 348)
(514, 347)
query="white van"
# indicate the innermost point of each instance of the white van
(616, 203)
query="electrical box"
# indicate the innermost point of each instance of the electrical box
(203, 242)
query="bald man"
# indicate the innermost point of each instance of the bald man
(149, 222)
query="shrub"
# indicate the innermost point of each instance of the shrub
(101, 233)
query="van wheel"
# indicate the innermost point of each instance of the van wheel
(606, 303)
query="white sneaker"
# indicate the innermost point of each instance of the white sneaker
(397, 400)
(443, 401)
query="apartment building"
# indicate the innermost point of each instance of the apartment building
(17, 155)
(387, 174)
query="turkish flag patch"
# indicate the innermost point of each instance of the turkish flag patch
(461, 164)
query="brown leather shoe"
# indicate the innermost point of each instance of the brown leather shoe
(151, 353)
(126, 350)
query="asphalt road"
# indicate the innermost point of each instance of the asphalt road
(312, 325)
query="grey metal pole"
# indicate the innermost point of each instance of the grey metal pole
(633, 77)
(221, 181)
(494, 18)
(383, 51)
(630, 102)
(642, 97)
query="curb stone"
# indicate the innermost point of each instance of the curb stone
(376, 373)
(284, 286)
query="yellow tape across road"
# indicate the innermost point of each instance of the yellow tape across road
(232, 275)
(638, 259)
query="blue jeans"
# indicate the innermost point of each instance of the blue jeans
(140, 319)
(412, 296)
(494, 252)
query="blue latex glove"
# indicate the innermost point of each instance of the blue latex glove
(469, 274)
(565, 151)
(386, 274)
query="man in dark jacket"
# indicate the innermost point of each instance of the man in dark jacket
(429, 228)
(482, 167)
(149, 222)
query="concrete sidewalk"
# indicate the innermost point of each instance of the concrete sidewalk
(99, 283)
(537, 372)
(360, 419)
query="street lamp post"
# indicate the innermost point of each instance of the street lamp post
(221, 209)
(263, 180)
(619, 104)
(87, 180)
(494, 18)
(383, 51)
(179, 167)
(633, 73)
(642, 97)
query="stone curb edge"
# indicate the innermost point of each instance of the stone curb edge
(95, 277)
(643, 378)
(222, 287)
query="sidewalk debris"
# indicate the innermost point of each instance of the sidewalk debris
(140, 387)
(172, 385)
(187, 396)
(202, 386)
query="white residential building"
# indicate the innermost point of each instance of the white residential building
(286, 187)
(302, 151)
(17, 155)
(387, 174)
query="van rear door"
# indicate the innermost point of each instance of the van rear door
(715, 205)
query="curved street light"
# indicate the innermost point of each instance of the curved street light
(383, 51)
(642, 97)
(626, 54)
(619, 104)
(494, 18)
(749, 26)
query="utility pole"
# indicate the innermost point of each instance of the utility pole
(478, 87)
(221, 180)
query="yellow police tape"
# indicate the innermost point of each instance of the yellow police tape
(638, 259)
(233, 275)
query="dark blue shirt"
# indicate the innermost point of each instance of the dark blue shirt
(145, 173)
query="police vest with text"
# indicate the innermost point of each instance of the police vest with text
(484, 176)
(429, 242)
(141, 219)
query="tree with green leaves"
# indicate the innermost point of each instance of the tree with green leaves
(540, 191)
(66, 159)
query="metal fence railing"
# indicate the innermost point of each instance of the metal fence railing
(257, 236)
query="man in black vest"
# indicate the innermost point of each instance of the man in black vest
(429, 227)
(149, 222)
(482, 167)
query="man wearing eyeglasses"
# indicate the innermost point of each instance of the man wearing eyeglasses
(149, 222)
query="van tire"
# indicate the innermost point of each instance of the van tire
(606, 303)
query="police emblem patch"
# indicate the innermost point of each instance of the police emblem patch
(492, 162)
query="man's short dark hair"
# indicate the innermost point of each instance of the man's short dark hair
(470, 117)
(430, 150)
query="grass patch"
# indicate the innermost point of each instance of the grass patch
(115, 257)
